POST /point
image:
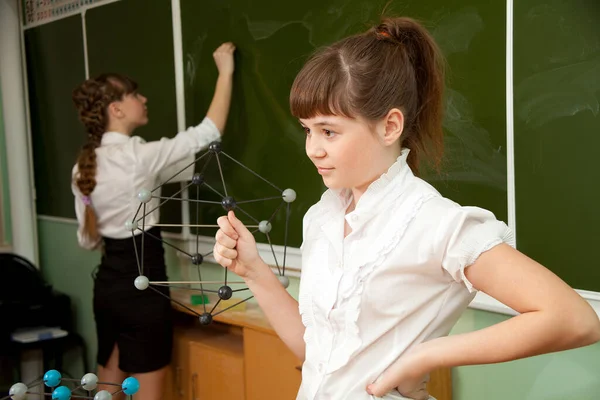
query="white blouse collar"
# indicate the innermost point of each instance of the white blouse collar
(340, 198)
(114, 138)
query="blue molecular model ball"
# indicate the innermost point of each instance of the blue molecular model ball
(52, 378)
(130, 386)
(61, 393)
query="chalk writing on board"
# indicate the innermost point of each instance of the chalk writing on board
(335, 20)
(264, 29)
(470, 155)
(559, 92)
(562, 78)
(192, 60)
(455, 31)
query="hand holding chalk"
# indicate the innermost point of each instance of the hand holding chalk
(223, 57)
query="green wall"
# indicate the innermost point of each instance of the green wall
(568, 375)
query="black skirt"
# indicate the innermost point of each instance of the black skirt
(138, 321)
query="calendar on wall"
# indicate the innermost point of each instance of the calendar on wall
(36, 11)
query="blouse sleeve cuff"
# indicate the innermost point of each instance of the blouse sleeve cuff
(210, 130)
(481, 239)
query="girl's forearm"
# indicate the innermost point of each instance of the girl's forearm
(219, 106)
(526, 335)
(280, 308)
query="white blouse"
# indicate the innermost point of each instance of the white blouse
(128, 164)
(396, 280)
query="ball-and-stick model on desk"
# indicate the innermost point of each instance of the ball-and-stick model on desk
(60, 391)
(228, 202)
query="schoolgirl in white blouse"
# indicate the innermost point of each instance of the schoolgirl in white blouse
(134, 328)
(388, 264)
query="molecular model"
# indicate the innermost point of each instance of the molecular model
(88, 383)
(264, 226)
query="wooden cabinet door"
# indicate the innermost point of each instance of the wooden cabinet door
(174, 388)
(217, 368)
(180, 365)
(272, 370)
(169, 391)
(440, 384)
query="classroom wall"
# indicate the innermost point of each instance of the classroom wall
(6, 220)
(567, 375)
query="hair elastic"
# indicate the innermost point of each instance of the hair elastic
(86, 200)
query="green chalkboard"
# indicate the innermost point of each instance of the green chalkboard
(55, 65)
(123, 38)
(556, 91)
(557, 127)
(274, 41)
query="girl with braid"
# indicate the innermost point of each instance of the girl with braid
(133, 326)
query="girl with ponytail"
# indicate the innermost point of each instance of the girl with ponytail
(388, 264)
(134, 327)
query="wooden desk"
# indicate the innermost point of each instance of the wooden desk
(239, 356)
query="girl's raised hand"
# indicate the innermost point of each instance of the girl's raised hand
(223, 57)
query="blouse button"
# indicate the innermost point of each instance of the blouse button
(320, 368)
(355, 218)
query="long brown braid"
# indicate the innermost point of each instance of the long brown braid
(92, 99)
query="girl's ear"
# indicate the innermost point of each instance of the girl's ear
(114, 110)
(393, 126)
